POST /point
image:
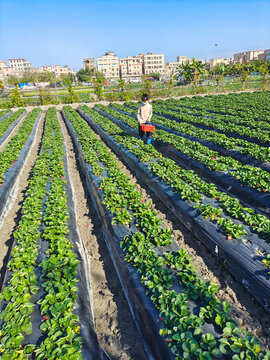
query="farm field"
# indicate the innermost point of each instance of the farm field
(114, 249)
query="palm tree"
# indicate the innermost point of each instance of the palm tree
(192, 71)
(264, 70)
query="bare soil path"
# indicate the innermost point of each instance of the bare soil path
(116, 331)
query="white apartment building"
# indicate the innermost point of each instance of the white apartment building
(225, 61)
(62, 70)
(20, 65)
(131, 68)
(108, 64)
(182, 59)
(46, 68)
(170, 69)
(153, 63)
(247, 56)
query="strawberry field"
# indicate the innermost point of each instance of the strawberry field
(208, 169)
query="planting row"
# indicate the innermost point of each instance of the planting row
(213, 122)
(162, 272)
(210, 112)
(248, 106)
(3, 113)
(41, 278)
(238, 145)
(253, 177)
(12, 150)
(4, 124)
(211, 203)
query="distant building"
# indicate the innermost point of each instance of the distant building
(89, 63)
(170, 69)
(182, 59)
(247, 56)
(62, 70)
(20, 65)
(3, 65)
(153, 63)
(265, 55)
(131, 68)
(225, 61)
(46, 68)
(108, 64)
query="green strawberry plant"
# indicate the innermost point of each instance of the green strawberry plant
(12, 150)
(159, 273)
(251, 176)
(5, 123)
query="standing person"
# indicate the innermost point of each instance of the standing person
(144, 116)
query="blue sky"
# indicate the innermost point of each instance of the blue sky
(65, 32)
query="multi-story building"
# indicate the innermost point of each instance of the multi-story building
(3, 65)
(62, 70)
(89, 63)
(170, 69)
(20, 65)
(153, 63)
(225, 61)
(46, 68)
(108, 64)
(131, 68)
(247, 56)
(182, 59)
(265, 55)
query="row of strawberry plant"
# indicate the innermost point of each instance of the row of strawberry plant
(12, 150)
(216, 124)
(214, 121)
(251, 176)
(189, 185)
(181, 328)
(16, 296)
(242, 146)
(4, 124)
(3, 113)
(207, 110)
(58, 269)
(246, 105)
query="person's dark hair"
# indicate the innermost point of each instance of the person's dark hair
(145, 97)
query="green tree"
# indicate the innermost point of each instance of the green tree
(28, 76)
(121, 86)
(1, 87)
(98, 88)
(85, 75)
(45, 76)
(171, 85)
(264, 70)
(13, 80)
(72, 96)
(99, 75)
(67, 78)
(147, 86)
(244, 76)
(192, 71)
(16, 98)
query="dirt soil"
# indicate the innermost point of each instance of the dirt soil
(116, 331)
(13, 216)
(245, 310)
